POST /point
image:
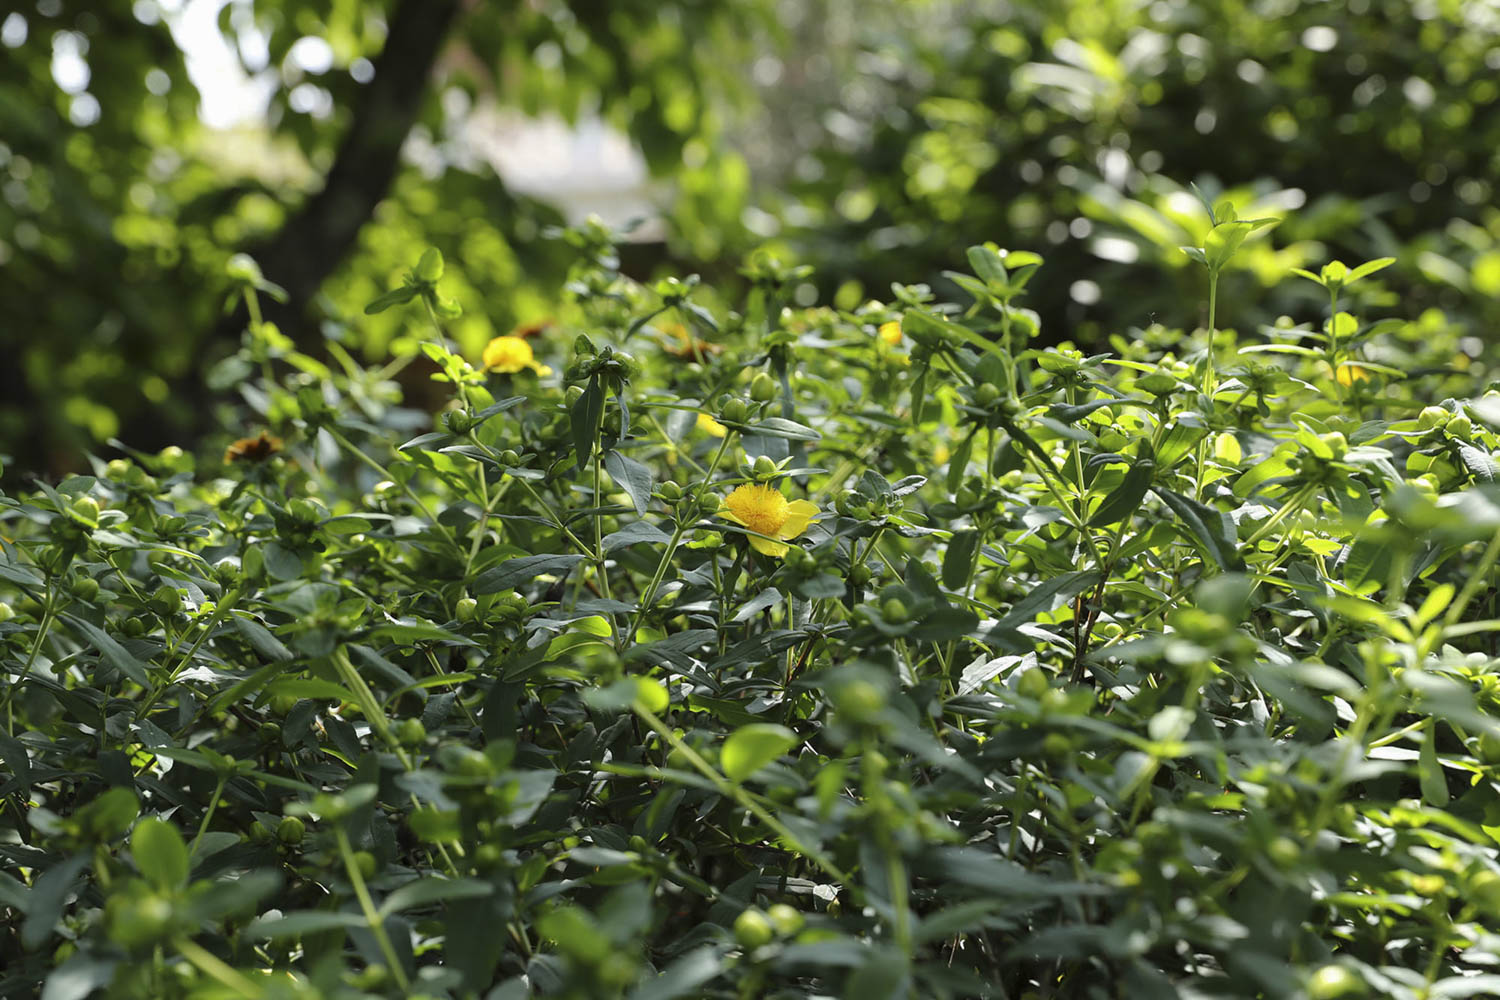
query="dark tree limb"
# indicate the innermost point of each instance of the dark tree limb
(314, 240)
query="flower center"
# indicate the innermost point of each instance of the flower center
(762, 508)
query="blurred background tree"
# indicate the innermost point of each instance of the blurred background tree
(872, 138)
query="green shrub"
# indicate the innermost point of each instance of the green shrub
(778, 652)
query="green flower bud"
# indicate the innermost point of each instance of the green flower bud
(752, 929)
(986, 395)
(458, 421)
(670, 491)
(510, 457)
(86, 510)
(763, 388)
(242, 268)
(133, 628)
(1460, 426)
(734, 411)
(291, 830)
(859, 575)
(117, 469)
(764, 467)
(464, 610)
(1429, 418)
(894, 611)
(787, 920)
(430, 267)
(85, 588)
(1334, 982)
(1034, 683)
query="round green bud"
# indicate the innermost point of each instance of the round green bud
(243, 269)
(764, 467)
(894, 611)
(1284, 853)
(510, 457)
(86, 509)
(670, 491)
(860, 575)
(465, 609)
(458, 421)
(167, 596)
(117, 469)
(1430, 417)
(133, 628)
(466, 762)
(1056, 745)
(987, 394)
(752, 929)
(1489, 749)
(281, 704)
(430, 267)
(1034, 683)
(787, 920)
(763, 388)
(1483, 890)
(1334, 982)
(734, 411)
(709, 503)
(364, 863)
(410, 732)
(291, 830)
(85, 588)
(1460, 426)
(858, 700)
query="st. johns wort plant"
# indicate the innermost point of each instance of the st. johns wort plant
(703, 648)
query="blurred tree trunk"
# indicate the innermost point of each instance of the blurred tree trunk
(315, 239)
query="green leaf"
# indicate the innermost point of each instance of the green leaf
(632, 477)
(160, 853)
(958, 559)
(1430, 772)
(426, 891)
(750, 748)
(514, 572)
(1210, 527)
(394, 297)
(1368, 268)
(111, 651)
(1125, 498)
(584, 419)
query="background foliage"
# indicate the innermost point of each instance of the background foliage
(869, 139)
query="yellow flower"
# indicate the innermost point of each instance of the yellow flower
(1349, 373)
(709, 425)
(890, 333)
(765, 511)
(511, 354)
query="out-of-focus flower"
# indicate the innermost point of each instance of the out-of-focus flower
(709, 425)
(512, 354)
(256, 449)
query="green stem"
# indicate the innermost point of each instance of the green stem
(366, 904)
(1292, 505)
(210, 965)
(385, 473)
(734, 791)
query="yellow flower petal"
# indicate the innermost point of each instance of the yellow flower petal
(767, 547)
(711, 426)
(799, 514)
(890, 333)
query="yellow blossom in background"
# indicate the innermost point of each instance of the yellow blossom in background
(709, 425)
(512, 354)
(890, 333)
(1349, 373)
(764, 510)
